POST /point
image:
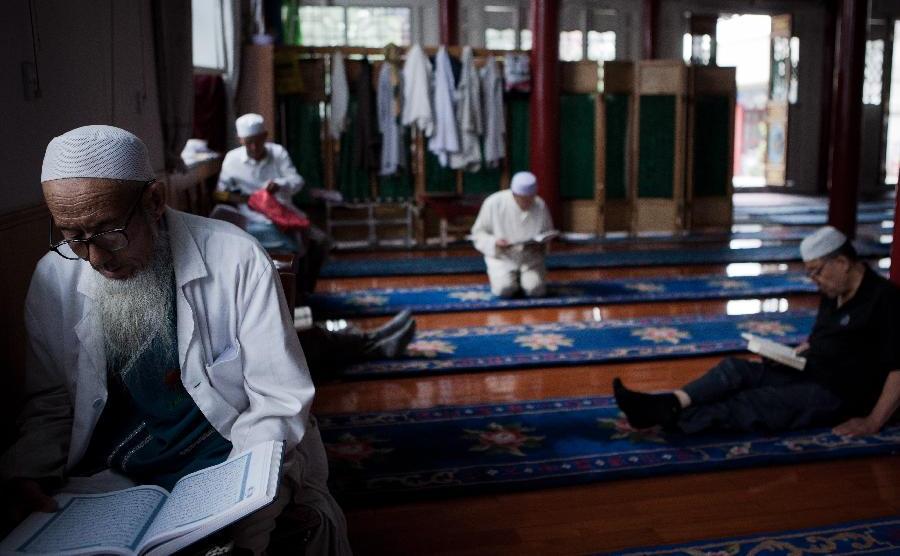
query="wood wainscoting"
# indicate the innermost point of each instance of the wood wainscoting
(23, 241)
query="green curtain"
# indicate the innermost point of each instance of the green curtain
(577, 165)
(656, 169)
(711, 144)
(352, 182)
(616, 133)
(303, 125)
(517, 110)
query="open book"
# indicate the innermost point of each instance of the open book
(773, 350)
(149, 520)
(542, 237)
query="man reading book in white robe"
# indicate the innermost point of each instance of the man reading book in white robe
(159, 344)
(508, 231)
(850, 378)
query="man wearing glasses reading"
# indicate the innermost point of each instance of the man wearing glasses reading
(852, 374)
(159, 344)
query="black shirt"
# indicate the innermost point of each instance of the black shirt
(854, 347)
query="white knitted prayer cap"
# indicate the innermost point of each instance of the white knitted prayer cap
(823, 242)
(249, 125)
(523, 183)
(97, 151)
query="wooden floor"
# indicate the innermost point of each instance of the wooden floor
(602, 516)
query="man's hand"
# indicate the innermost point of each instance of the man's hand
(858, 426)
(24, 496)
(272, 187)
(799, 350)
(502, 243)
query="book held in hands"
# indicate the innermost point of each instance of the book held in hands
(775, 351)
(148, 519)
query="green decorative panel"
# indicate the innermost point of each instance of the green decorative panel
(352, 182)
(438, 179)
(616, 106)
(400, 185)
(486, 180)
(712, 125)
(303, 142)
(517, 112)
(656, 158)
(577, 161)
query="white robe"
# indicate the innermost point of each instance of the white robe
(417, 91)
(445, 140)
(494, 118)
(393, 153)
(501, 218)
(468, 116)
(239, 355)
(242, 173)
(340, 96)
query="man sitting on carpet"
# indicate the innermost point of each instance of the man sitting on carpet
(852, 371)
(504, 232)
(258, 163)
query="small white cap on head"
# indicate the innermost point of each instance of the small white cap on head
(97, 151)
(823, 242)
(249, 125)
(523, 183)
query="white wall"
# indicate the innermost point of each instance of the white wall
(95, 64)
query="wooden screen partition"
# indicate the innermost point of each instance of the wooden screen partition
(580, 191)
(615, 174)
(658, 145)
(710, 156)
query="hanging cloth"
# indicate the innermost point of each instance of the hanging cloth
(340, 96)
(494, 118)
(416, 91)
(365, 146)
(469, 116)
(393, 156)
(446, 136)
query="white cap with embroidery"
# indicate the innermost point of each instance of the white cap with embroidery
(249, 125)
(97, 151)
(523, 183)
(824, 241)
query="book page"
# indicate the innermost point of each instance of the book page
(205, 493)
(86, 523)
(775, 351)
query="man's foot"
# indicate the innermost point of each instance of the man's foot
(392, 326)
(395, 345)
(646, 410)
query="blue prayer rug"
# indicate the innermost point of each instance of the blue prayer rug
(416, 264)
(382, 456)
(447, 350)
(476, 297)
(874, 536)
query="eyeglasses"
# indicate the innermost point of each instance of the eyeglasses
(814, 273)
(112, 240)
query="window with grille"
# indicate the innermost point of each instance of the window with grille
(601, 46)
(892, 156)
(208, 36)
(372, 27)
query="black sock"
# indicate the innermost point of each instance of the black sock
(646, 410)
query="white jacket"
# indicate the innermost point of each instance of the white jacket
(501, 218)
(445, 140)
(240, 357)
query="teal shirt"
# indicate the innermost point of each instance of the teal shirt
(151, 430)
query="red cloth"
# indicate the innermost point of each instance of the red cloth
(283, 217)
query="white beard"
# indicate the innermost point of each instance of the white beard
(133, 310)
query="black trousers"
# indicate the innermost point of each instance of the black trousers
(741, 395)
(327, 352)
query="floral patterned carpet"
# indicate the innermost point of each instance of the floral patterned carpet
(385, 456)
(477, 297)
(876, 536)
(416, 264)
(448, 350)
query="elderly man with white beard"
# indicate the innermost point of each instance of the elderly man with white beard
(159, 344)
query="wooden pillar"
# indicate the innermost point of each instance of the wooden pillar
(449, 18)
(827, 94)
(544, 108)
(845, 136)
(649, 25)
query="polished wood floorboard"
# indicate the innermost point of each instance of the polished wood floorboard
(601, 516)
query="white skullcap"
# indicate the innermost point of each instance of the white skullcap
(824, 241)
(249, 125)
(97, 151)
(523, 183)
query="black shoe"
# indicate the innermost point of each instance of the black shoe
(646, 410)
(392, 326)
(395, 345)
